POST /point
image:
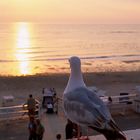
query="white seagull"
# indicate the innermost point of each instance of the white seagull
(84, 107)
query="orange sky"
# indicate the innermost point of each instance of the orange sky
(71, 11)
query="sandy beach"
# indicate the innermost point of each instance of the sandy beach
(21, 87)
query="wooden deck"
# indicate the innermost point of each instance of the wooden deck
(55, 124)
(130, 134)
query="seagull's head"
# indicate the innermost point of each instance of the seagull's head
(75, 64)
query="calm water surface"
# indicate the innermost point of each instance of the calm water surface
(31, 48)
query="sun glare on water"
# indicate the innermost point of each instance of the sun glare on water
(22, 45)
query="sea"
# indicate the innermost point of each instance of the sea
(41, 48)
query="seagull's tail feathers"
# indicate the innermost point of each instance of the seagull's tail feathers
(114, 133)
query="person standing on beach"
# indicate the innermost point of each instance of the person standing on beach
(69, 129)
(32, 129)
(53, 90)
(55, 103)
(43, 101)
(39, 130)
(31, 105)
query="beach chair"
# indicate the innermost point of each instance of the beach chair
(8, 100)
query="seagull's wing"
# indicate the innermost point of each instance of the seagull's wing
(85, 107)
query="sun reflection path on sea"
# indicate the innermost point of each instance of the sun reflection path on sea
(22, 45)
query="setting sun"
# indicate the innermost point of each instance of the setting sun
(23, 43)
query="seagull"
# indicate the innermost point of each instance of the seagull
(83, 107)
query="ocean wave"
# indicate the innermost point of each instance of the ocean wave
(131, 61)
(124, 32)
(134, 58)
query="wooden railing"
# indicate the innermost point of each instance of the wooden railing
(119, 105)
(14, 112)
(116, 105)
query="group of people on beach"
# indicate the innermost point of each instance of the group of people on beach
(50, 102)
(35, 127)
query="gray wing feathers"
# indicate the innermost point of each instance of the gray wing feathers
(87, 105)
